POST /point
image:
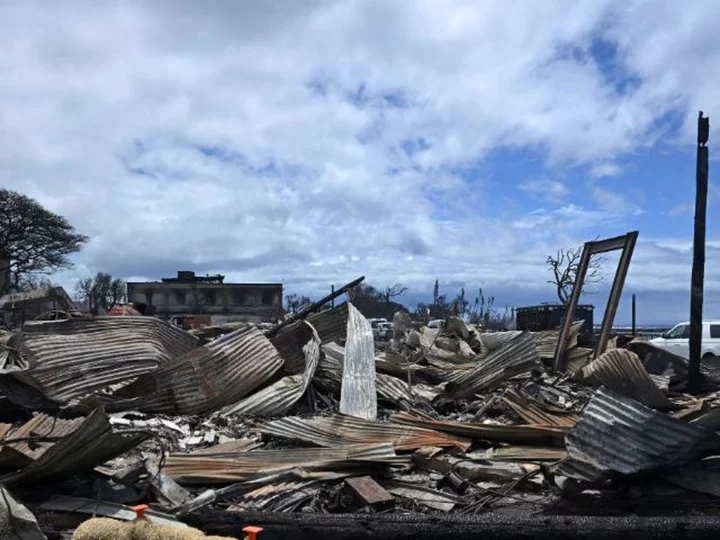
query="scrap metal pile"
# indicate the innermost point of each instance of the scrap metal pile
(102, 413)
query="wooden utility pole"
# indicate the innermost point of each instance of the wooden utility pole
(698, 267)
(634, 319)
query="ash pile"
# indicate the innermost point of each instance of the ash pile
(105, 413)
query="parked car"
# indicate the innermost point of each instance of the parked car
(375, 325)
(677, 340)
(385, 331)
(437, 323)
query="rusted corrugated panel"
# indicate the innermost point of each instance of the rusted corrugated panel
(358, 395)
(277, 398)
(230, 447)
(208, 378)
(533, 414)
(617, 434)
(76, 357)
(512, 434)
(92, 443)
(518, 356)
(621, 371)
(330, 325)
(520, 453)
(201, 469)
(342, 430)
(497, 340)
(42, 426)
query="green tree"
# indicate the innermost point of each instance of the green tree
(32, 239)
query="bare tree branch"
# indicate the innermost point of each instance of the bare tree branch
(564, 267)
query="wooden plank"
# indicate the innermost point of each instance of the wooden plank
(367, 492)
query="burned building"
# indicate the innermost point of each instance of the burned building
(189, 296)
(18, 307)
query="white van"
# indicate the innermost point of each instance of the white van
(677, 340)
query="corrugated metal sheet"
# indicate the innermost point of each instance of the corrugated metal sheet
(330, 325)
(42, 426)
(391, 388)
(358, 396)
(228, 448)
(518, 356)
(532, 414)
(10, 357)
(341, 430)
(4, 429)
(277, 398)
(546, 343)
(92, 443)
(621, 371)
(497, 340)
(576, 359)
(202, 469)
(512, 434)
(209, 377)
(520, 453)
(617, 434)
(76, 357)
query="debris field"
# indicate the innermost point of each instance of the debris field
(101, 414)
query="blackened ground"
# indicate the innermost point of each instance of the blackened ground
(395, 527)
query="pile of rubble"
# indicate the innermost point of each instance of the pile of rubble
(105, 413)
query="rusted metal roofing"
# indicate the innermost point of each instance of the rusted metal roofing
(277, 398)
(209, 377)
(533, 414)
(513, 434)
(42, 426)
(76, 357)
(520, 453)
(342, 430)
(358, 396)
(92, 443)
(621, 371)
(517, 356)
(618, 435)
(330, 325)
(202, 469)
(230, 447)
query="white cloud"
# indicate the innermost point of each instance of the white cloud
(614, 203)
(603, 170)
(680, 209)
(548, 189)
(317, 141)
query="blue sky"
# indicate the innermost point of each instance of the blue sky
(313, 142)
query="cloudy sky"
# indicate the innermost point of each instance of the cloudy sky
(311, 142)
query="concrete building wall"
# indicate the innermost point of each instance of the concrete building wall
(262, 301)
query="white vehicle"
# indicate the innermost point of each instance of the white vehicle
(375, 325)
(385, 331)
(677, 340)
(437, 323)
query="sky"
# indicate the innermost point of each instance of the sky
(313, 142)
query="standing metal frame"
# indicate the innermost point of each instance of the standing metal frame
(626, 243)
